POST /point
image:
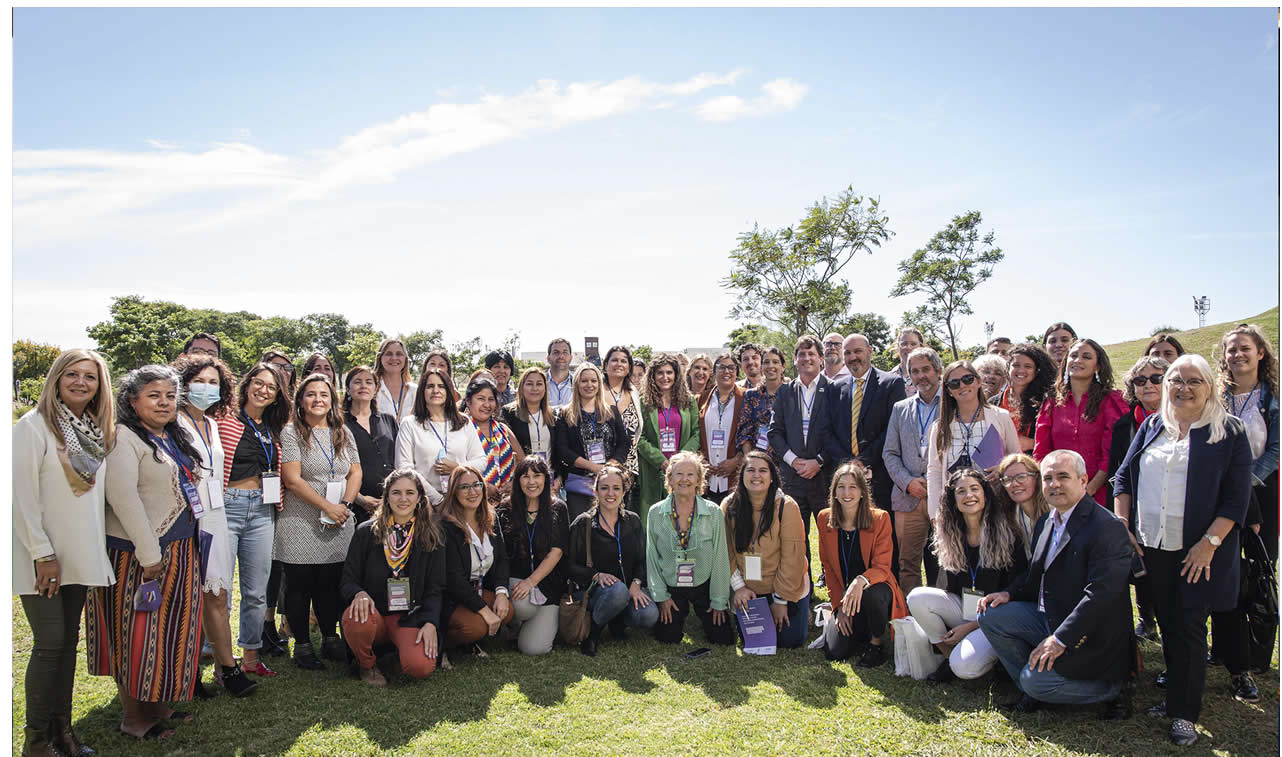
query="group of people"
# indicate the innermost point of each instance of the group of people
(391, 508)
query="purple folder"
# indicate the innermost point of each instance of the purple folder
(989, 451)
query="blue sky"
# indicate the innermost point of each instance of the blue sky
(487, 170)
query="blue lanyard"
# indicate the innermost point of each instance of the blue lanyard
(396, 403)
(922, 428)
(1245, 403)
(667, 418)
(444, 440)
(617, 397)
(802, 395)
(618, 540)
(592, 420)
(530, 528)
(269, 449)
(208, 451)
(721, 409)
(538, 430)
(560, 388)
(971, 568)
(329, 456)
(845, 558)
(967, 428)
(174, 453)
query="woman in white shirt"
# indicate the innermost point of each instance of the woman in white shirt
(59, 533)
(436, 438)
(396, 393)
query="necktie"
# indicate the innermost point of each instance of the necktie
(856, 403)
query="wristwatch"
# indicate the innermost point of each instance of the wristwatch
(1215, 540)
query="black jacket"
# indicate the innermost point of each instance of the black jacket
(881, 392)
(988, 580)
(366, 570)
(1123, 433)
(521, 430)
(458, 571)
(1087, 594)
(568, 445)
(551, 531)
(605, 549)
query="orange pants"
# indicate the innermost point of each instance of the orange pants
(466, 627)
(377, 629)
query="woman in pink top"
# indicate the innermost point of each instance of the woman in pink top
(1081, 412)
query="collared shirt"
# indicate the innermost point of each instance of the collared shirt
(559, 394)
(807, 399)
(719, 417)
(925, 414)
(706, 548)
(482, 555)
(844, 373)
(1159, 497)
(1058, 522)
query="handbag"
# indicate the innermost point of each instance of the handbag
(919, 658)
(573, 620)
(577, 483)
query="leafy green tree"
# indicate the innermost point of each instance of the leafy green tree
(643, 351)
(756, 334)
(1164, 330)
(140, 332)
(948, 269)
(418, 344)
(32, 360)
(788, 277)
(465, 357)
(360, 348)
(873, 326)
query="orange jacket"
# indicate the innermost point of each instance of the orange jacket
(876, 549)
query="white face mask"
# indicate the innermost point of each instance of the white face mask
(203, 396)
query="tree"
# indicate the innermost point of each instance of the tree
(787, 277)
(31, 362)
(951, 265)
(361, 348)
(419, 343)
(141, 332)
(643, 351)
(873, 326)
(1164, 330)
(465, 357)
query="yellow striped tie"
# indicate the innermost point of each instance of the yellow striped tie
(856, 403)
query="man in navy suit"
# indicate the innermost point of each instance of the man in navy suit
(874, 393)
(1063, 629)
(798, 428)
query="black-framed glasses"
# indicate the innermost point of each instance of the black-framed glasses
(1017, 478)
(1155, 380)
(832, 344)
(955, 384)
(728, 368)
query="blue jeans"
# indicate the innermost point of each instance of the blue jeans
(611, 602)
(251, 527)
(1013, 630)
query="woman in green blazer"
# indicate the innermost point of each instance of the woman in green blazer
(670, 424)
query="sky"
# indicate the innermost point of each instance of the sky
(586, 172)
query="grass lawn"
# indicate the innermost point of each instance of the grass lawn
(641, 697)
(1203, 341)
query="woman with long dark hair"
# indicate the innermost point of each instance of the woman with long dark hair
(502, 451)
(670, 424)
(437, 438)
(535, 531)
(626, 398)
(374, 432)
(1032, 378)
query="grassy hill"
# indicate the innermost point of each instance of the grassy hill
(1203, 341)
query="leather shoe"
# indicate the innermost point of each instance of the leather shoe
(334, 649)
(37, 743)
(1024, 704)
(588, 647)
(65, 738)
(1118, 708)
(374, 677)
(873, 657)
(1242, 687)
(943, 673)
(305, 657)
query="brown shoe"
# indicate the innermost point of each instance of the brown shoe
(373, 677)
(66, 739)
(37, 744)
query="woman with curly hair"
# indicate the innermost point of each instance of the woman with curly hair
(1032, 377)
(670, 424)
(979, 552)
(1081, 413)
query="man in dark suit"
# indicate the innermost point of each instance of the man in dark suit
(1063, 629)
(873, 393)
(798, 428)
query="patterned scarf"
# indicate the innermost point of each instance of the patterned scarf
(498, 454)
(82, 452)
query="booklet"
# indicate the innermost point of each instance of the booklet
(758, 627)
(989, 451)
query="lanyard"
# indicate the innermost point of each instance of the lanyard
(538, 428)
(486, 436)
(967, 428)
(845, 556)
(721, 410)
(592, 420)
(971, 567)
(683, 538)
(560, 388)
(530, 528)
(329, 456)
(208, 451)
(174, 453)
(802, 396)
(618, 540)
(617, 396)
(396, 403)
(667, 414)
(444, 440)
(922, 428)
(269, 449)
(1245, 403)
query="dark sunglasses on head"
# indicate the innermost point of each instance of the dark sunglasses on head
(968, 379)
(1155, 380)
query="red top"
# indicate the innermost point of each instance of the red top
(1063, 427)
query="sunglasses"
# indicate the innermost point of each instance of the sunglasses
(1155, 380)
(968, 379)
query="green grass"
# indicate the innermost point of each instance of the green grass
(641, 697)
(1203, 341)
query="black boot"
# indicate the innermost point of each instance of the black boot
(305, 656)
(65, 738)
(588, 647)
(273, 644)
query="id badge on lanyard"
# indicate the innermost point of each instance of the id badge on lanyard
(596, 452)
(271, 488)
(398, 595)
(214, 490)
(970, 604)
(752, 567)
(763, 441)
(667, 441)
(685, 573)
(192, 495)
(718, 439)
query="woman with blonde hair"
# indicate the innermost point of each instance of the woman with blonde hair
(699, 377)
(1020, 495)
(588, 435)
(59, 536)
(392, 369)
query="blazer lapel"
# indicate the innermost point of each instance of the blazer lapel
(1079, 517)
(1043, 540)
(870, 391)
(865, 548)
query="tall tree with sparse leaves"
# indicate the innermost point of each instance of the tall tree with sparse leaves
(948, 269)
(788, 277)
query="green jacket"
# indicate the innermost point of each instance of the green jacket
(649, 458)
(707, 548)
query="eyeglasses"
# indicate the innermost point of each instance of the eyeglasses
(728, 368)
(968, 379)
(471, 487)
(1017, 478)
(1155, 380)
(260, 384)
(832, 344)
(1193, 383)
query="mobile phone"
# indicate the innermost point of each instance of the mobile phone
(695, 654)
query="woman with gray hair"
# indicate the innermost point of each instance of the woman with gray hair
(145, 631)
(1183, 489)
(993, 374)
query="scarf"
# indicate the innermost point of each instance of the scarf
(396, 547)
(81, 452)
(498, 454)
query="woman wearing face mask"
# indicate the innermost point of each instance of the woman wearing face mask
(393, 579)
(1020, 495)
(979, 552)
(437, 438)
(964, 420)
(318, 363)
(530, 419)
(767, 549)
(152, 649)
(209, 388)
(687, 560)
(392, 369)
(59, 544)
(627, 403)
(535, 531)
(1032, 376)
(759, 402)
(856, 549)
(588, 436)
(375, 435)
(502, 451)
(1081, 413)
(250, 439)
(670, 414)
(321, 471)
(477, 600)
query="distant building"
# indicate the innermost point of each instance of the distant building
(592, 350)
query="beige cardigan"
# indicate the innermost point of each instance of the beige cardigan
(784, 570)
(143, 496)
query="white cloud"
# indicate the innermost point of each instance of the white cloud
(58, 192)
(777, 96)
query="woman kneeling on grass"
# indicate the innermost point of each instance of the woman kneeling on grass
(476, 568)
(393, 580)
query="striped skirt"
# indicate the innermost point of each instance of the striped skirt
(154, 656)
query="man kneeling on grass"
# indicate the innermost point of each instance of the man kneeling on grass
(1062, 630)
